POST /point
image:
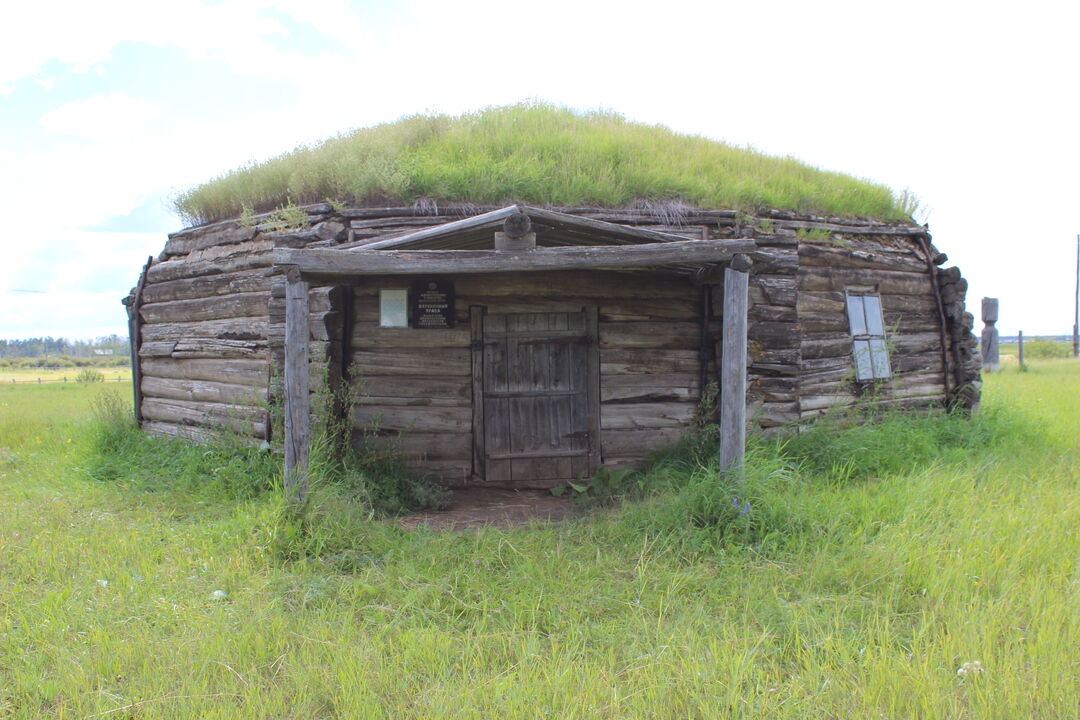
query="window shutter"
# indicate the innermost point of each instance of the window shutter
(856, 314)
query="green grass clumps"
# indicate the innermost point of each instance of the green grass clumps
(876, 565)
(534, 153)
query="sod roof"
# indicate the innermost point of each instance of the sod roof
(538, 154)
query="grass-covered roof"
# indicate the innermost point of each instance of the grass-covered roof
(538, 154)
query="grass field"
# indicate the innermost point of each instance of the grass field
(879, 562)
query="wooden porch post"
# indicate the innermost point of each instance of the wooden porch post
(733, 365)
(297, 381)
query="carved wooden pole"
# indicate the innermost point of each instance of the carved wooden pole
(1076, 304)
(990, 351)
(733, 365)
(297, 381)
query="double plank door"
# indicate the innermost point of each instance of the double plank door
(539, 386)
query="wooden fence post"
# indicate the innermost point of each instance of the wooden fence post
(733, 365)
(296, 386)
(1020, 347)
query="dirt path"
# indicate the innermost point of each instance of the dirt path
(478, 507)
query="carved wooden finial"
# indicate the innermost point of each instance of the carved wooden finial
(517, 233)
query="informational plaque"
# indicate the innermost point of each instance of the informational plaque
(433, 304)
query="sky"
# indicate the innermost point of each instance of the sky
(109, 109)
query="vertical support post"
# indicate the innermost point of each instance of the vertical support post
(733, 365)
(135, 323)
(1020, 347)
(990, 351)
(297, 386)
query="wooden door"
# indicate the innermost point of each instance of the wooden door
(540, 391)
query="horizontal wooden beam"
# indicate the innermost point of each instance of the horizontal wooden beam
(434, 262)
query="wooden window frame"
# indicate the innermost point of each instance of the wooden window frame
(869, 341)
(383, 293)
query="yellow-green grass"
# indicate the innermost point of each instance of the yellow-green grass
(535, 153)
(60, 375)
(865, 608)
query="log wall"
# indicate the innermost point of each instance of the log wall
(898, 269)
(212, 329)
(207, 328)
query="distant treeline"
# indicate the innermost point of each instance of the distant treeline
(61, 352)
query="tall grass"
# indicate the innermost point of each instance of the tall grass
(875, 563)
(535, 153)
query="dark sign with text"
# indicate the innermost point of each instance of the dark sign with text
(432, 304)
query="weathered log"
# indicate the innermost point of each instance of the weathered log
(416, 386)
(822, 345)
(236, 371)
(776, 414)
(774, 335)
(414, 419)
(660, 335)
(213, 308)
(157, 349)
(185, 244)
(399, 262)
(638, 443)
(610, 285)
(209, 286)
(214, 348)
(811, 255)
(192, 433)
(239, 419)
(203, 391)
(824, 302)
(775, 261)
(646, 415)
(368, 335)
(421, 446)
(775, 290)
(179, 269)
(775, 389)
(772, 313)
(413, 361)
(886, 281)
(633, 361)
(658, 387)
(242, 328)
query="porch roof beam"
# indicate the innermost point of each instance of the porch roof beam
(435, 262)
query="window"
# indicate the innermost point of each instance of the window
(867, 337)
(394, 308)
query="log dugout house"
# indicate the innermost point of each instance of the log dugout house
(526, 367)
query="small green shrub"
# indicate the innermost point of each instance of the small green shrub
(88, 375)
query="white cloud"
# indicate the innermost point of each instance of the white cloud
(107, 118)
(964, 107)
